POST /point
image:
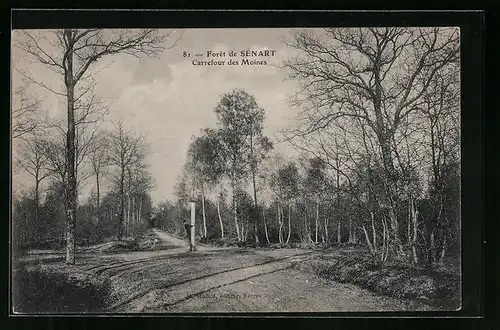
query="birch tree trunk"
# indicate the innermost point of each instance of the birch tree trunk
(265, 224)
(203, 213)
(70, 159)
(220, 219)
(235, 206)
(256, 212)
(306, 223)
(326, 230)
(289, 223)
(372, 217)
(370, 245)
(280, 225)
(317, 220)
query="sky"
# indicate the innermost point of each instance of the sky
(171, 100)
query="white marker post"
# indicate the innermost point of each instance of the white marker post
(193, 213)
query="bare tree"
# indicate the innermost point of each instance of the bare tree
(70, 53)
(32, 158)
(372, 79)
(139, 182)
(126, 150)
(55, 151)
(98, 158)
(441, 116)
(23, 114)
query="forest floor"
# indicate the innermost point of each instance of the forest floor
(212, 279)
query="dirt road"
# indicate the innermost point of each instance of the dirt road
(226, 280)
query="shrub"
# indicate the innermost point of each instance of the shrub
(395, 280)
(40, 290)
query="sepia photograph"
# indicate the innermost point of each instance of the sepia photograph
(236, 170)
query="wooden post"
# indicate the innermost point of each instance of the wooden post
(193, 213)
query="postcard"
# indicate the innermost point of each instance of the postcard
(236, 170)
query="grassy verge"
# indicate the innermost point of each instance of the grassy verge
(38, 289)
(145, 242)
(436, 288)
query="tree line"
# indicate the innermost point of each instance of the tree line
(113, 161)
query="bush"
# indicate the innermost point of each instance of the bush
(395, 280)
(122, 246)
(39, 290)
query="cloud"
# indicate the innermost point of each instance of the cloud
(151, 70)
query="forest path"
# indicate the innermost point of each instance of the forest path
(173, 240)
(227, 279)
(236, 280)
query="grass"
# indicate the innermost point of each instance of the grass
(145, 242)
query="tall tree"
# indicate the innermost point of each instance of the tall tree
(259, 148)
(182, 192)
(139, 182)
(315, 182)
(126, 150)
(70, 53)
(243, 145)
(442, 116)
(206, 166)
(98, 158)
(285, 183)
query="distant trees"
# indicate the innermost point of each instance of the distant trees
(315, 184)
(126, 153)
(285, 183)
(233, 151)
(99, 216)
(206, 166)
(99, 160)
(32, 158)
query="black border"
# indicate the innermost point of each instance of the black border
(472, 46)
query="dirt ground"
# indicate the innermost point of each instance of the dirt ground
(225, 280)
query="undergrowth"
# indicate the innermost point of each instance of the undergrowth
(434, 287)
